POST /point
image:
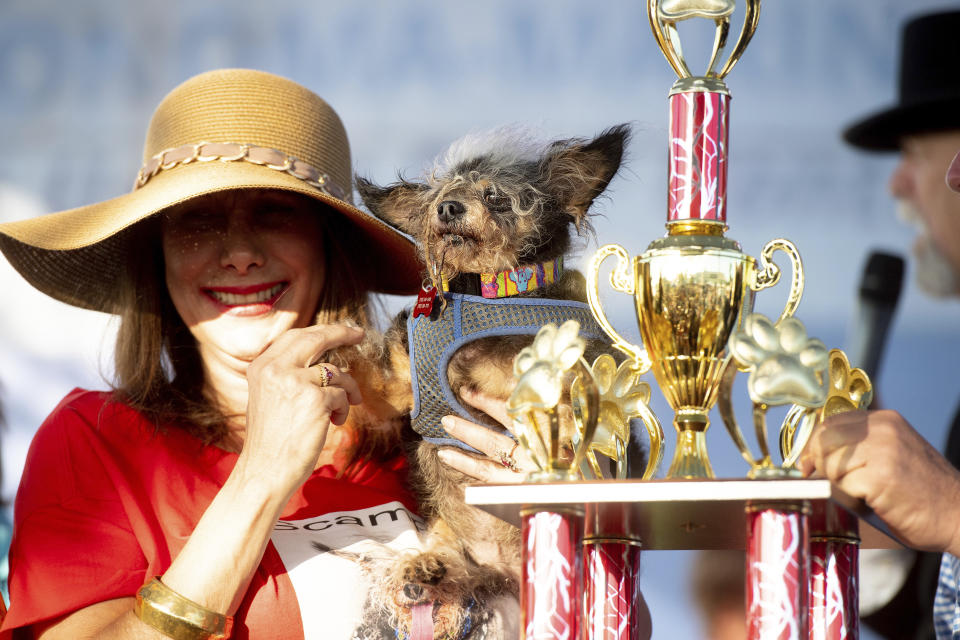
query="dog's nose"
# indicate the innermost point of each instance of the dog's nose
(413, 591)
(450, 210)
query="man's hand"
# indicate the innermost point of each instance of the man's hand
(879, 457)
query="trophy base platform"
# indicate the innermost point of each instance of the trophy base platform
(673, 514)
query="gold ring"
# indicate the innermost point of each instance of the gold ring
(328, 375)
(507, 459)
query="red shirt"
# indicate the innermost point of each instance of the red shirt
(106, 502)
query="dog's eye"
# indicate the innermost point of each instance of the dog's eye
(495, 200)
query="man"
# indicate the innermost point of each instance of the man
(877, 455)
(925, 127)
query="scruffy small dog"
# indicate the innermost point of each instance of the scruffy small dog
(493, 220)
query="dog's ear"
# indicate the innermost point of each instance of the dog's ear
(398, 204)
(578, 171)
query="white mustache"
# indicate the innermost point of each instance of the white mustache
(908, 213)
(933, 272)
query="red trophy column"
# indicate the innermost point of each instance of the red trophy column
(697, 170)
(777, 571)
(834, 574)
(551, 595)
(611, 568)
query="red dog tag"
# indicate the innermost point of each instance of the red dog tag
(424, 305)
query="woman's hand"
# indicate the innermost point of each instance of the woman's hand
(292, 401)
(505, 462)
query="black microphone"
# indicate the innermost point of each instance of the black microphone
(879, 292)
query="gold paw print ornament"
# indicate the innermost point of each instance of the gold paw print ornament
(623, 396)
(850, 389)
(786, 367)
(544, 370)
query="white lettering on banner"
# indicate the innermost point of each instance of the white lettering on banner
(323, 556)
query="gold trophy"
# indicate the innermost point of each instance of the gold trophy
(693, 287)
(693, 291)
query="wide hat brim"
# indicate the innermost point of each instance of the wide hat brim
(78, 256)
(885, 130)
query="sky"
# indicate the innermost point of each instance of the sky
(78, 82)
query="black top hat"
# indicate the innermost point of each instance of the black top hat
(929, 86)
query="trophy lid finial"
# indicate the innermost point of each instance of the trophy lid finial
(664, 16)
(682, 9)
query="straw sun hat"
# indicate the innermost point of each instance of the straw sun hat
(220, 130)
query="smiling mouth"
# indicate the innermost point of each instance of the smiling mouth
(232, 299)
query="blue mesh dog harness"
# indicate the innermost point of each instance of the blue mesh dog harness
(465, 319)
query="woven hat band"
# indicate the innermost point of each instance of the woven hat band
(256, 108)
(239, 152)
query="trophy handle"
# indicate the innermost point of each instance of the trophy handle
(623, 459)
(666, 45)
(529, 438)
(589, 412)
(799, 418)
(621, 279)
(725, 407)
(769, 274)
(750, 21)
(655, 433)
(760, 429)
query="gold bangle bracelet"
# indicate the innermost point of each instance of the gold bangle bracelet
(177, 617)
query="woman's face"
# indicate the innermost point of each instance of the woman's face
(242, 267)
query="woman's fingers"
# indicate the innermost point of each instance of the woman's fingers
(292, 403)
(325, 374)
(339, 388)
(477, 436)
(482, 469)
(302, 347)
(493, 407)
(340, 406)
(501, 450)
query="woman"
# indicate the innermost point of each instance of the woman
(216, 485)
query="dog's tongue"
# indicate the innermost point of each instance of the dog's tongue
(422, 627)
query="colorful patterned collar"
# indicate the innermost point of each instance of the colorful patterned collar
(514, 282)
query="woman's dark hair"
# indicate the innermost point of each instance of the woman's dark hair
(158, 369)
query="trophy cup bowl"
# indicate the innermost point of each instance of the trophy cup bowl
(688, 300)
